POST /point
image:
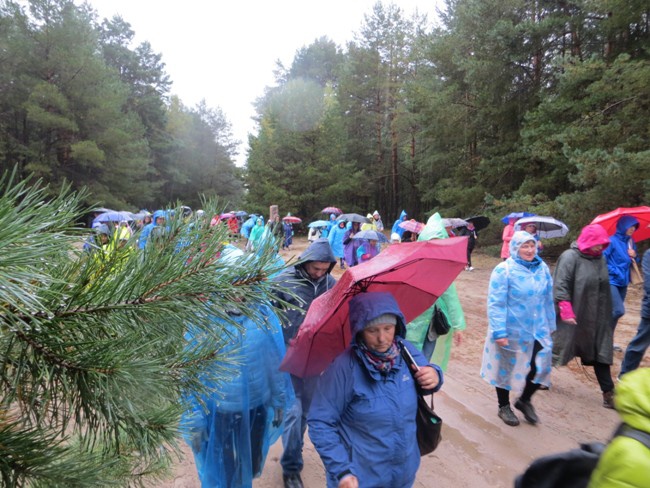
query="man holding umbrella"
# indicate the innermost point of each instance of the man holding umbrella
(298, 286)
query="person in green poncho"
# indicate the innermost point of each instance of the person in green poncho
(437, 349)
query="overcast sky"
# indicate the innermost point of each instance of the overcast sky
(225, 51)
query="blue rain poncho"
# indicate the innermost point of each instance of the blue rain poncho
(231, 429)
(149, 228)
(231, 436)
(520, 308)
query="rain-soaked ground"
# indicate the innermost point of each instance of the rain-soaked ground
(478, 449)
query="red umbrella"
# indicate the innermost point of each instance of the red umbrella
(609, 220)
(332, 210)
(412, 226)
(290, 219)
(416, 273)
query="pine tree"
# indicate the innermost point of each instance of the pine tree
(93, 364)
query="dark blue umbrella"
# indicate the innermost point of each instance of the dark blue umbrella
(240, 213)
(516, 215)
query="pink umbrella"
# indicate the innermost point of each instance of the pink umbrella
(610, 219)
(290, 219)
(332, 210)
(416, 273)
(412, 226)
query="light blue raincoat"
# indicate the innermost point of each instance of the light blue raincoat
(335, 237)
(520, 307)
(231, 429)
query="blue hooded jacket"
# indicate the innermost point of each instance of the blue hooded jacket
(248, 226)
(362, 422)
(298, 289)
(396, 228)
(335, 237)
(146, 230)
(618, 260)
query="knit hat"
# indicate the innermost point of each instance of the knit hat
(387, 318)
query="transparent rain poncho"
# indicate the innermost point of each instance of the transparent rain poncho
(231, 435)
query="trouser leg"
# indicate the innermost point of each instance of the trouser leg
(604, 376)
(637, 347)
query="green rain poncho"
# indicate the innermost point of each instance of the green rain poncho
(448, 303)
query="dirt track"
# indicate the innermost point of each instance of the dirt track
(478, 449)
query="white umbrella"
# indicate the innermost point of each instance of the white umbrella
(547, 227)
(454, 223)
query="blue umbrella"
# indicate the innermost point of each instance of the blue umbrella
(114, 216)
(319, 223)
(516, 215)
(240, 213)
(371, 235)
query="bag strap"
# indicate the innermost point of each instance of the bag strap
(402, 347)
(639, 435)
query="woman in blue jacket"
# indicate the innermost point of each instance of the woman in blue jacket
(362, 417)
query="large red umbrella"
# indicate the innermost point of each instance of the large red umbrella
(416, 273)
(609, 220)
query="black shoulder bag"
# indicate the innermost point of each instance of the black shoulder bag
(428, 423)
(439, 322)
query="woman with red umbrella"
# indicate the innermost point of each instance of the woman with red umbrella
(362, 417)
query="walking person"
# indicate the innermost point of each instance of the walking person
(521, 319)
(298, 286)
(396, 228)
(506, 237)
(619, 255)
(351, 245)
(472, 236)
(362, 420)
(584, 308)
(420, 331)
(639, 344)
(231, 429)
(335, 238)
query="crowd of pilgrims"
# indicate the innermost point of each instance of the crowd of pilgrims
(361, 410)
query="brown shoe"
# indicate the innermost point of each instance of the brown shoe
(608, 399)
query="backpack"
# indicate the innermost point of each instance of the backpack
(572, 469)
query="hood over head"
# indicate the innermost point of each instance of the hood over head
(632, 398)
(625, 222)
(365, 307)
(319, 250)
(518, 239)
(592, 235)
(102, 229)
(375, 214)
(434, 229)
(369, 216)
(159, 213)
(403, 215)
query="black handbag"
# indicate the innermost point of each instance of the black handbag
(428, 423)
(439, 322)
